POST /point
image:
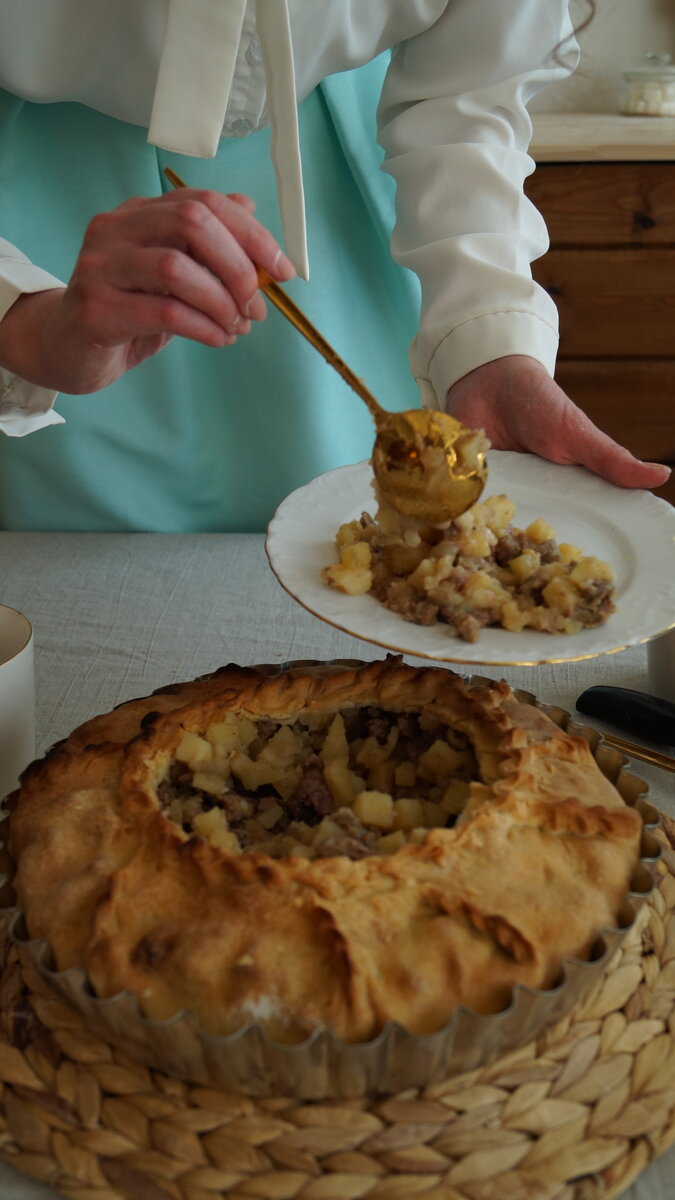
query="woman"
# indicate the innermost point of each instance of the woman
(213, 431)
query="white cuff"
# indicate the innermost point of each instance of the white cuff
(480, 340)
(24, 407)
(18, 276)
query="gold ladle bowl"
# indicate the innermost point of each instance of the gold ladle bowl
(427, 465)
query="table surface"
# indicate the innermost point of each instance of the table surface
(118, 615)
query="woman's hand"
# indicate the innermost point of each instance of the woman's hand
(519, 406)
(183, 263)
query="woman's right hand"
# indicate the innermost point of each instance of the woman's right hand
(180, 264)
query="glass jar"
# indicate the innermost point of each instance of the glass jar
(650, 90)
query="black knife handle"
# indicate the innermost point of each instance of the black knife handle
(635, 711)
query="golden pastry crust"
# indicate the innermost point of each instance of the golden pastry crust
(539, 861)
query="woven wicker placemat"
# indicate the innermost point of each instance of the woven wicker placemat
(575, 1115)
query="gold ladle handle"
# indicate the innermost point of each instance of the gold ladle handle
(296, 316)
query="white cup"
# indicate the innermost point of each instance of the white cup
(17, 697)
(661, 666)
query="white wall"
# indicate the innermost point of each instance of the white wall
(621, 33)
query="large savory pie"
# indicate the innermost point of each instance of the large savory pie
(337, 846)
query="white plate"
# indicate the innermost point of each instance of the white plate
(634, 531)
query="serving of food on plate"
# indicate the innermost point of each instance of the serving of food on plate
(547, 566)
(477, 570)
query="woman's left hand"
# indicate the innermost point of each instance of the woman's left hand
(520, 407)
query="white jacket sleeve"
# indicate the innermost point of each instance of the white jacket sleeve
(24, 407)
(455, 130)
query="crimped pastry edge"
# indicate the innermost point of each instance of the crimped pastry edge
(323, 1066)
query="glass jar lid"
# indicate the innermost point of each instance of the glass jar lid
(657, 69)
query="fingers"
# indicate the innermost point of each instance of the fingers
(220, 232)
(590, 447)
(112, 318)
(170, 272)
(199, 249)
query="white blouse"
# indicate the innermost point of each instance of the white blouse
(452, 122)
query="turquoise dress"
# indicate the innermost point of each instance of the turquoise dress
(197, 439)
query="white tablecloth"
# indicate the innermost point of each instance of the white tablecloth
(117, 615)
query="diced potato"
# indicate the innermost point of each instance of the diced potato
(552, 570)
(327, 829)
(286, 782)
(403, 560)
(540, 531)
(347, 534)
(435, 815)
(175, 811)
(426, 570)
(408, 812)
(445, 595)
(391, 842)
(570, 626)
(590, 569)
(204, 781)
(512, 617)
(340, 782)
(455, 796)
(223, 840)
(381, 778)
(220, 765)
(473, 518)
(193, 750)
(224, 735)
(298, 850)
(418, 835)
(371, 752)
(482, 591)
(439, 761)
(374, 808)
(405, 774)
(253, 774)
(301, 832)
(497, 513)
(356, 555)
(267, 817)
(561, 594)
(206, 824)
(354, 581)
(569, 553)
(246, 730)
(475, 543)
(525, 565)
(336, 745)
(282, 749)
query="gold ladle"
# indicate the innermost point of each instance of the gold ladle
(426, 463)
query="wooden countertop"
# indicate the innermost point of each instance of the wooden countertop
(602, 137)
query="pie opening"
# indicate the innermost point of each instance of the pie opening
(355, 783)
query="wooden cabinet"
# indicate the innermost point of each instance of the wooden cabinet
(611, 272)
